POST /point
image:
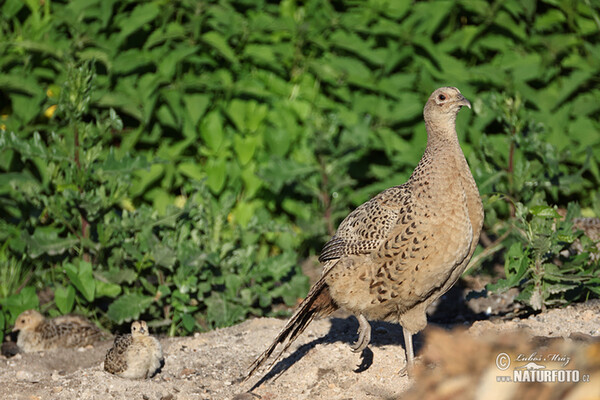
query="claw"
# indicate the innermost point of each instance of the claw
(364, 335)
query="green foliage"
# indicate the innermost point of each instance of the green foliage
(188, 266)
(176, 160)
(539, 260)
(523, 174)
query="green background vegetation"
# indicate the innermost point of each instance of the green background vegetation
(178, 160)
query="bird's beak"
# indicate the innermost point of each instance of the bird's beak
(462, 101)
(14, 329)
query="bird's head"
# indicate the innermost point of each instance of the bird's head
(443, 106)
(139, 328)
(28, 320)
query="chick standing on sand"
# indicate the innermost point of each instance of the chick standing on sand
(135, 356)
(36, 333)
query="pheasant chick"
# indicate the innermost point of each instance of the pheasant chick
(37, 333)
(135, 356)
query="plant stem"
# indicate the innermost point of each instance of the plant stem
(326, 198)
(84, 222)
(76, 155)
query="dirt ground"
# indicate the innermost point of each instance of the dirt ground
(320, 364)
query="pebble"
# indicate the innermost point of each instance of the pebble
(187, 372)
(245, 396)
(24, 376)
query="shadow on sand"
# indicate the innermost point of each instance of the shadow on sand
(452, 310)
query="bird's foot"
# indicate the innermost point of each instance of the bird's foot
(409, 368)
(406, 371)
(360, 344)
(364, 335)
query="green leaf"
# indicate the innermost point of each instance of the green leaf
(104, 289)
(221, 312)
(141, 15)
(216, 175)
(211, 130)
(81, 277)
(123, 166)
(245, 148)
(26, 299)
(189, 323)
(218, 42)
(64, 298)
(128, 307)
(544, 211)
(196, 105)
(236, 110)
(192, 170)
(45, 240)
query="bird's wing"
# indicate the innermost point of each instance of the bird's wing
(70, 332)
(115, 361)
(48, 331)
(364, 229)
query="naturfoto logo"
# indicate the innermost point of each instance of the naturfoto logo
(534, 370)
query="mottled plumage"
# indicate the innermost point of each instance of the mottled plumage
(135, 356)
(397, 253)
(37, 333)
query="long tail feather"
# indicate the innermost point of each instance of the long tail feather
(317, 303)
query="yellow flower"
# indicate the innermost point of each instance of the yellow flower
(50, 111)
(180, 201)
(127, 205)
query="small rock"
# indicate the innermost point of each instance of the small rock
(24, 376)
(10, 349)
(246, 396)
(187, 372)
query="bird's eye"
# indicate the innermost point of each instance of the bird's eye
(442, 97)
(23, 320)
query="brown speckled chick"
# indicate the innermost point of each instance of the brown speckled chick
(400, 251)
(36, 333)
(134, 356)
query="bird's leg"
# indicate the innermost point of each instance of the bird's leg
(364, 334)
(410, 355)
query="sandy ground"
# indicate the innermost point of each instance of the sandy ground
(320, 364)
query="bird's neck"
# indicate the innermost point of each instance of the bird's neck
(441, 133)
(443, 154)
(445, 142)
